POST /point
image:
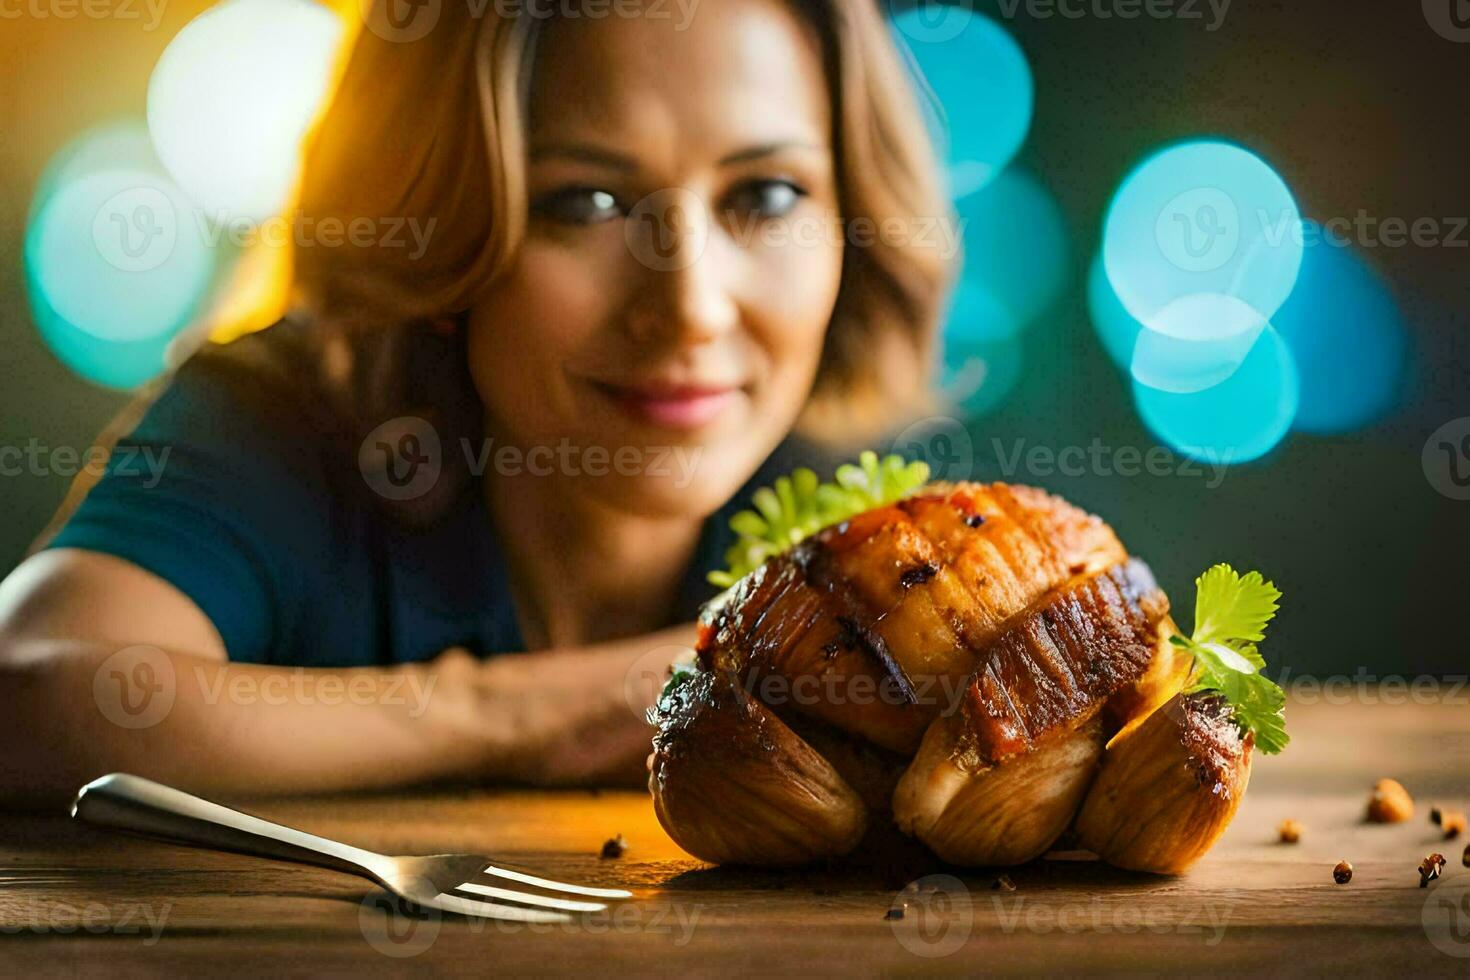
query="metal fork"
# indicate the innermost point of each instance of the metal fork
(140, 806)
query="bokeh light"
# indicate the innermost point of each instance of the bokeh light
(117, 256)
(111, 363)
(1015, 259)
(978, 376)
(1240, 419)
(1115, 326)
(982, 82)
(1348, 337)
(1202, 217)
(232, 96)
(115, 264)
(1195, 342)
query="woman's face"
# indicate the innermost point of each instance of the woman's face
(663, 321)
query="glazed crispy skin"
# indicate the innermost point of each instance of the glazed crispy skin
(904, 601)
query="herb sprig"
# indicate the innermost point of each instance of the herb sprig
(800, 505)
(1230, 616)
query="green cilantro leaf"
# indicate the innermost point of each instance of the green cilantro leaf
(1229, 606)
(799, 505)
(1231, 612)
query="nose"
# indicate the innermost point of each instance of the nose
(683, 293)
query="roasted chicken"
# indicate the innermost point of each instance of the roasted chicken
(982, 667)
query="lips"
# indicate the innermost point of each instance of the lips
(671, 405)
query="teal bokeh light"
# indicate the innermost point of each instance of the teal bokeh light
(1348, 337)
(1240, 419)
(1115, 326)
(111, 363)
(116, 263)
(1015, 259)
(1202, 217)
(978, 376)
(980, 78)
(1195, 343)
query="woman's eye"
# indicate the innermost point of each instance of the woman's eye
(765, 198)
(578, 206)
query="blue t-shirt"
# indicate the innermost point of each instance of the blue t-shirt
(238, 488)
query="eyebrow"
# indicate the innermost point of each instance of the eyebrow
(612, 159)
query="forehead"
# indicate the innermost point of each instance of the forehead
(728, 73)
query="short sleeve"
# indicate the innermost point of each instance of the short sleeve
(221, 500)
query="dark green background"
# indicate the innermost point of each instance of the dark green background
(1357, 105)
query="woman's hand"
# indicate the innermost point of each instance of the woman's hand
(574, 716)
(105, 667)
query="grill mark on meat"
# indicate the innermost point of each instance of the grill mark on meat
(814, 558)
(918, 575)
(1029, 687)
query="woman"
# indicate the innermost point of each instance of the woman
(525, 440)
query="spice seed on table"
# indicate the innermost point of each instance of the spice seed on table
(1430, 868)
(1343, 873)
(1389, 802)
(1290, 831)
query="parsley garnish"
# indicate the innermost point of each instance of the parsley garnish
(799, 505)
(1230, 616)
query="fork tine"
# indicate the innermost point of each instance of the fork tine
(526, 898)
(556, 886)
(491, 910)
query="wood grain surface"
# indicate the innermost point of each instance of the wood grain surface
(78, 901)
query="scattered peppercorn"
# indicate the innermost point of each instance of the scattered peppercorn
(894, 913)
(1004, 883)
(1452, 822)
(1430, 868)
(1436, 815)
(1465, 858)
(1290, 831)
(1389, 803)
(1343, 873)
(614, 847)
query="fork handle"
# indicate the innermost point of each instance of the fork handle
(119, 801)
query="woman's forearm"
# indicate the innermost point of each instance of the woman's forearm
(71, 711)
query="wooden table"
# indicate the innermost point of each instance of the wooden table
(74, 900)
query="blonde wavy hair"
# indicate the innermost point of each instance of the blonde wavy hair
(432, 129)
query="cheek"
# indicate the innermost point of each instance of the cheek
(524, 330)
(793, 288)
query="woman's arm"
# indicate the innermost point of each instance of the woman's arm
(104, 667)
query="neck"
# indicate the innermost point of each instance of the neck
(582, 572)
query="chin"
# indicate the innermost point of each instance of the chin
(691, 481)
